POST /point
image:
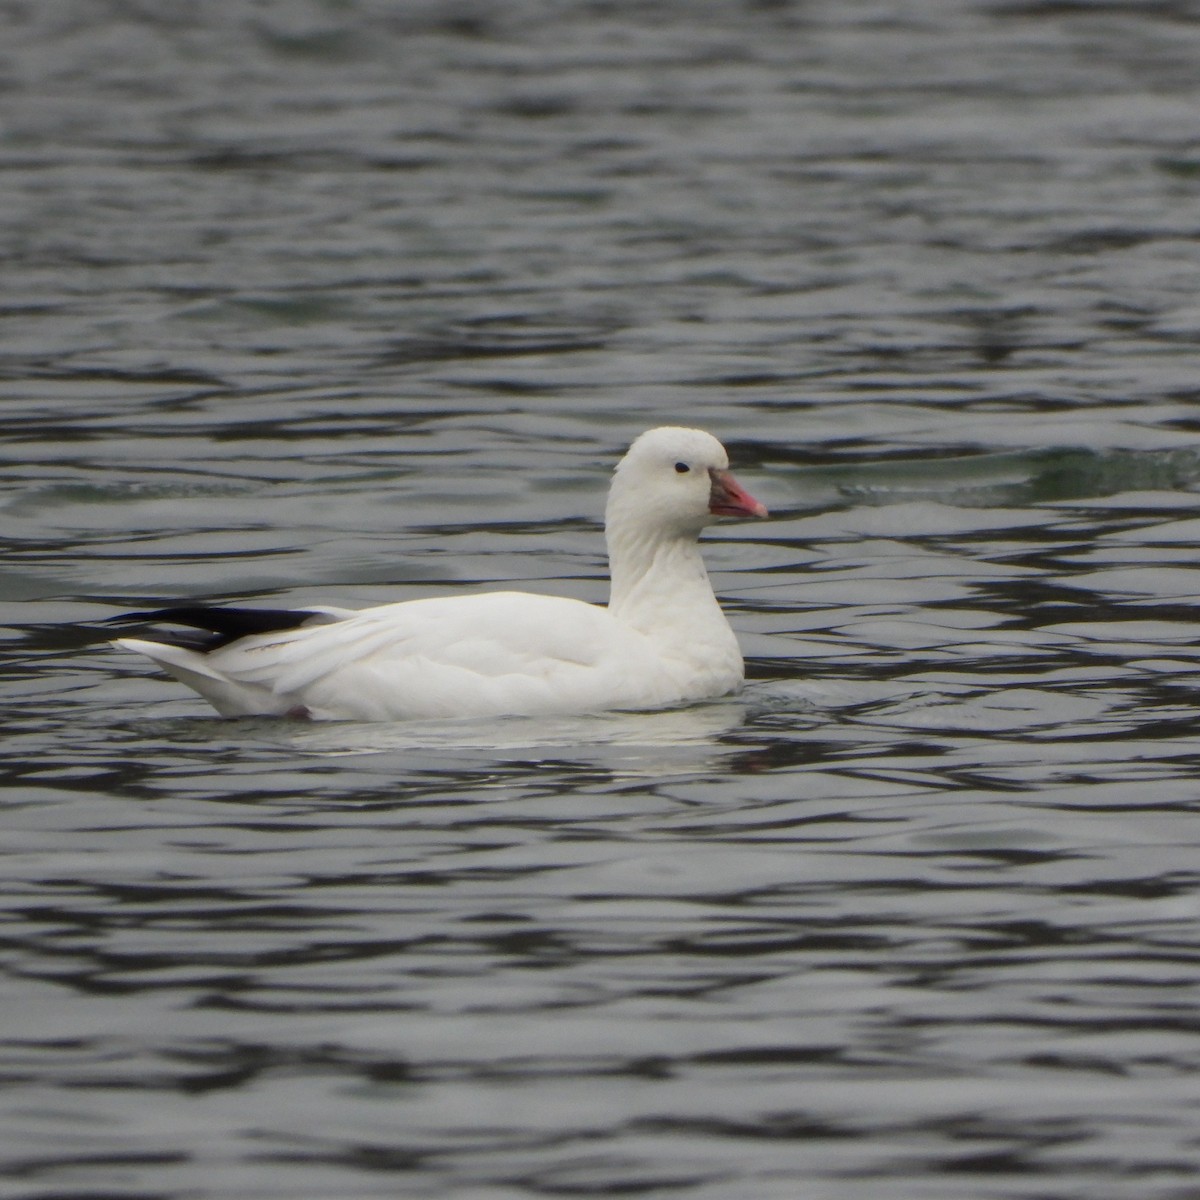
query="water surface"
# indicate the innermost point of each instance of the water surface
(355, 302)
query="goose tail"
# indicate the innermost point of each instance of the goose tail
(230, 697)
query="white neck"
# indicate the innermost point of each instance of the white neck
(661, 589)
(660, 585)
(655, 577)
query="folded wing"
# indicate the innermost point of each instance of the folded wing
(477, 655)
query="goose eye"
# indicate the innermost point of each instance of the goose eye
(682, 468)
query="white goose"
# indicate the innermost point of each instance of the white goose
(662, 640)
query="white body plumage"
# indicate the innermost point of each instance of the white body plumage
(662, 640)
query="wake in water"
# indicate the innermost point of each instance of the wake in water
(1006, 478)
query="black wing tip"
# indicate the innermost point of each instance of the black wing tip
(217, 626)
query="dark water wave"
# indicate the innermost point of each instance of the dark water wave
(353, 302)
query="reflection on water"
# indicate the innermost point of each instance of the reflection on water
(647, 738)
(354, 302)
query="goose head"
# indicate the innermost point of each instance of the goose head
(676, 481)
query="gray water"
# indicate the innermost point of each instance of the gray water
(355, 301)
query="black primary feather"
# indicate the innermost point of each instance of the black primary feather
(220, 626)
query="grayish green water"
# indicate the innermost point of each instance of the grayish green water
(359, 301)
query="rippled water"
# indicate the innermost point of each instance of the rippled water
(359, 301)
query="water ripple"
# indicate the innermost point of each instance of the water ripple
(358, 302)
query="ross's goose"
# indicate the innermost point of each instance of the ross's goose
(662, 640)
